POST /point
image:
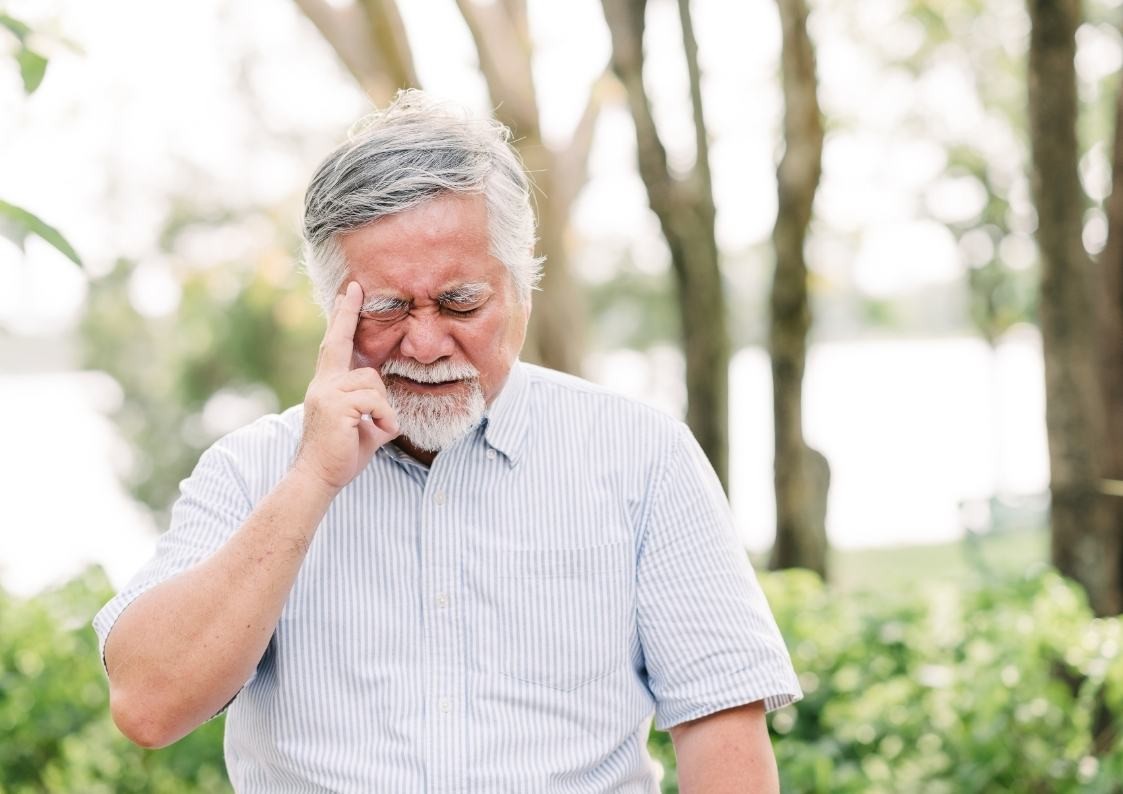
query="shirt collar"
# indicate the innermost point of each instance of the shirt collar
(505, 422)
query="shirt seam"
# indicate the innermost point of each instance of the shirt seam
(229, 464)
(657, 492)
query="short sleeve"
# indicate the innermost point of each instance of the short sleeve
(213, 503)
(709, 639)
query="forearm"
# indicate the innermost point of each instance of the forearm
(726, 753)
(182, 650)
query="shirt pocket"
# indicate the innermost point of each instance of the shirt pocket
(561, 617)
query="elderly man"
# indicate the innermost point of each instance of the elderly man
(447, 570)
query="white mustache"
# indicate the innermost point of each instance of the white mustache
(441, 372)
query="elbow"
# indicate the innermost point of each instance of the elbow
(140, 722)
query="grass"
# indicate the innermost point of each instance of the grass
(892, 569)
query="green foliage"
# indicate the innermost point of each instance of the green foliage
(32, 65)
(242, 331)
(1009, 685)
(16, 223)
(633, 310)
(54, 711)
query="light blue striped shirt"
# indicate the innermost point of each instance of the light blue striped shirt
(506, 620)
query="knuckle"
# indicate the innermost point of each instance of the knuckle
(315, 393)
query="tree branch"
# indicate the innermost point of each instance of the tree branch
(344, 31)
(387, 36)
(701, 140)
(573, 161)
(505, 61)
(516, 12)
(626, 23)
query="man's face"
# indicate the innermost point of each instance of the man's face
(441, 317)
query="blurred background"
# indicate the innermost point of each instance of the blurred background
(870, 252)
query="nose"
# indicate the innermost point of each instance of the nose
(426, 338)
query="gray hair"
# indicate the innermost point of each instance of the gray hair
(398, 158)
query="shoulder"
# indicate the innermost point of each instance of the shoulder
(269, 434)
(255, 456)
(560, 397)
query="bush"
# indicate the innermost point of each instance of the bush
(1007, 685)
(54, 708)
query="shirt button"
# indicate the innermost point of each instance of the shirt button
(491, 454)
(444, 705)
(442, 600)
(440, 498)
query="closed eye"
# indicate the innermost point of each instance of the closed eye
(456, 311)
(464, 300)
(384, 310)
(385, 316)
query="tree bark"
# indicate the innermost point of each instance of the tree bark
(802, 475)
(370, 40)
(1084, 543)
(685, 209)
(1111, 335)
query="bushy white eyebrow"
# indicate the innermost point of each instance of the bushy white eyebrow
(464, 293)
(383, 304)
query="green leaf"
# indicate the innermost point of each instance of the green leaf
(20, 30)
(32, 67)
(19, 223)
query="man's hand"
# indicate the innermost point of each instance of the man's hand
(346, 414)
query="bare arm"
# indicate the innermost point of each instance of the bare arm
(182, 650)
(728, 752)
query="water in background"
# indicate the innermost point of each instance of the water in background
(913, 429)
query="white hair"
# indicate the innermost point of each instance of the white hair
(415, 150)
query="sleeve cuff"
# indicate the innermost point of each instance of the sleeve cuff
(668, 715)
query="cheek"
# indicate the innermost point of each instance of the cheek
(486, 342)
(373, 345)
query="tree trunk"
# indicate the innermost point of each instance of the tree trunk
(1084, 542)
(1111, 336)
(685, 209)
(802, 475)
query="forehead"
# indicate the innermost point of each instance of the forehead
(424, 251)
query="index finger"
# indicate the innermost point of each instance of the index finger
(339, 338)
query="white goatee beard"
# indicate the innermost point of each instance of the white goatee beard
(432, 422)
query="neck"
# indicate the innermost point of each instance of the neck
(422, 455)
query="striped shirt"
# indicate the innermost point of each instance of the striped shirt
(508, 619)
